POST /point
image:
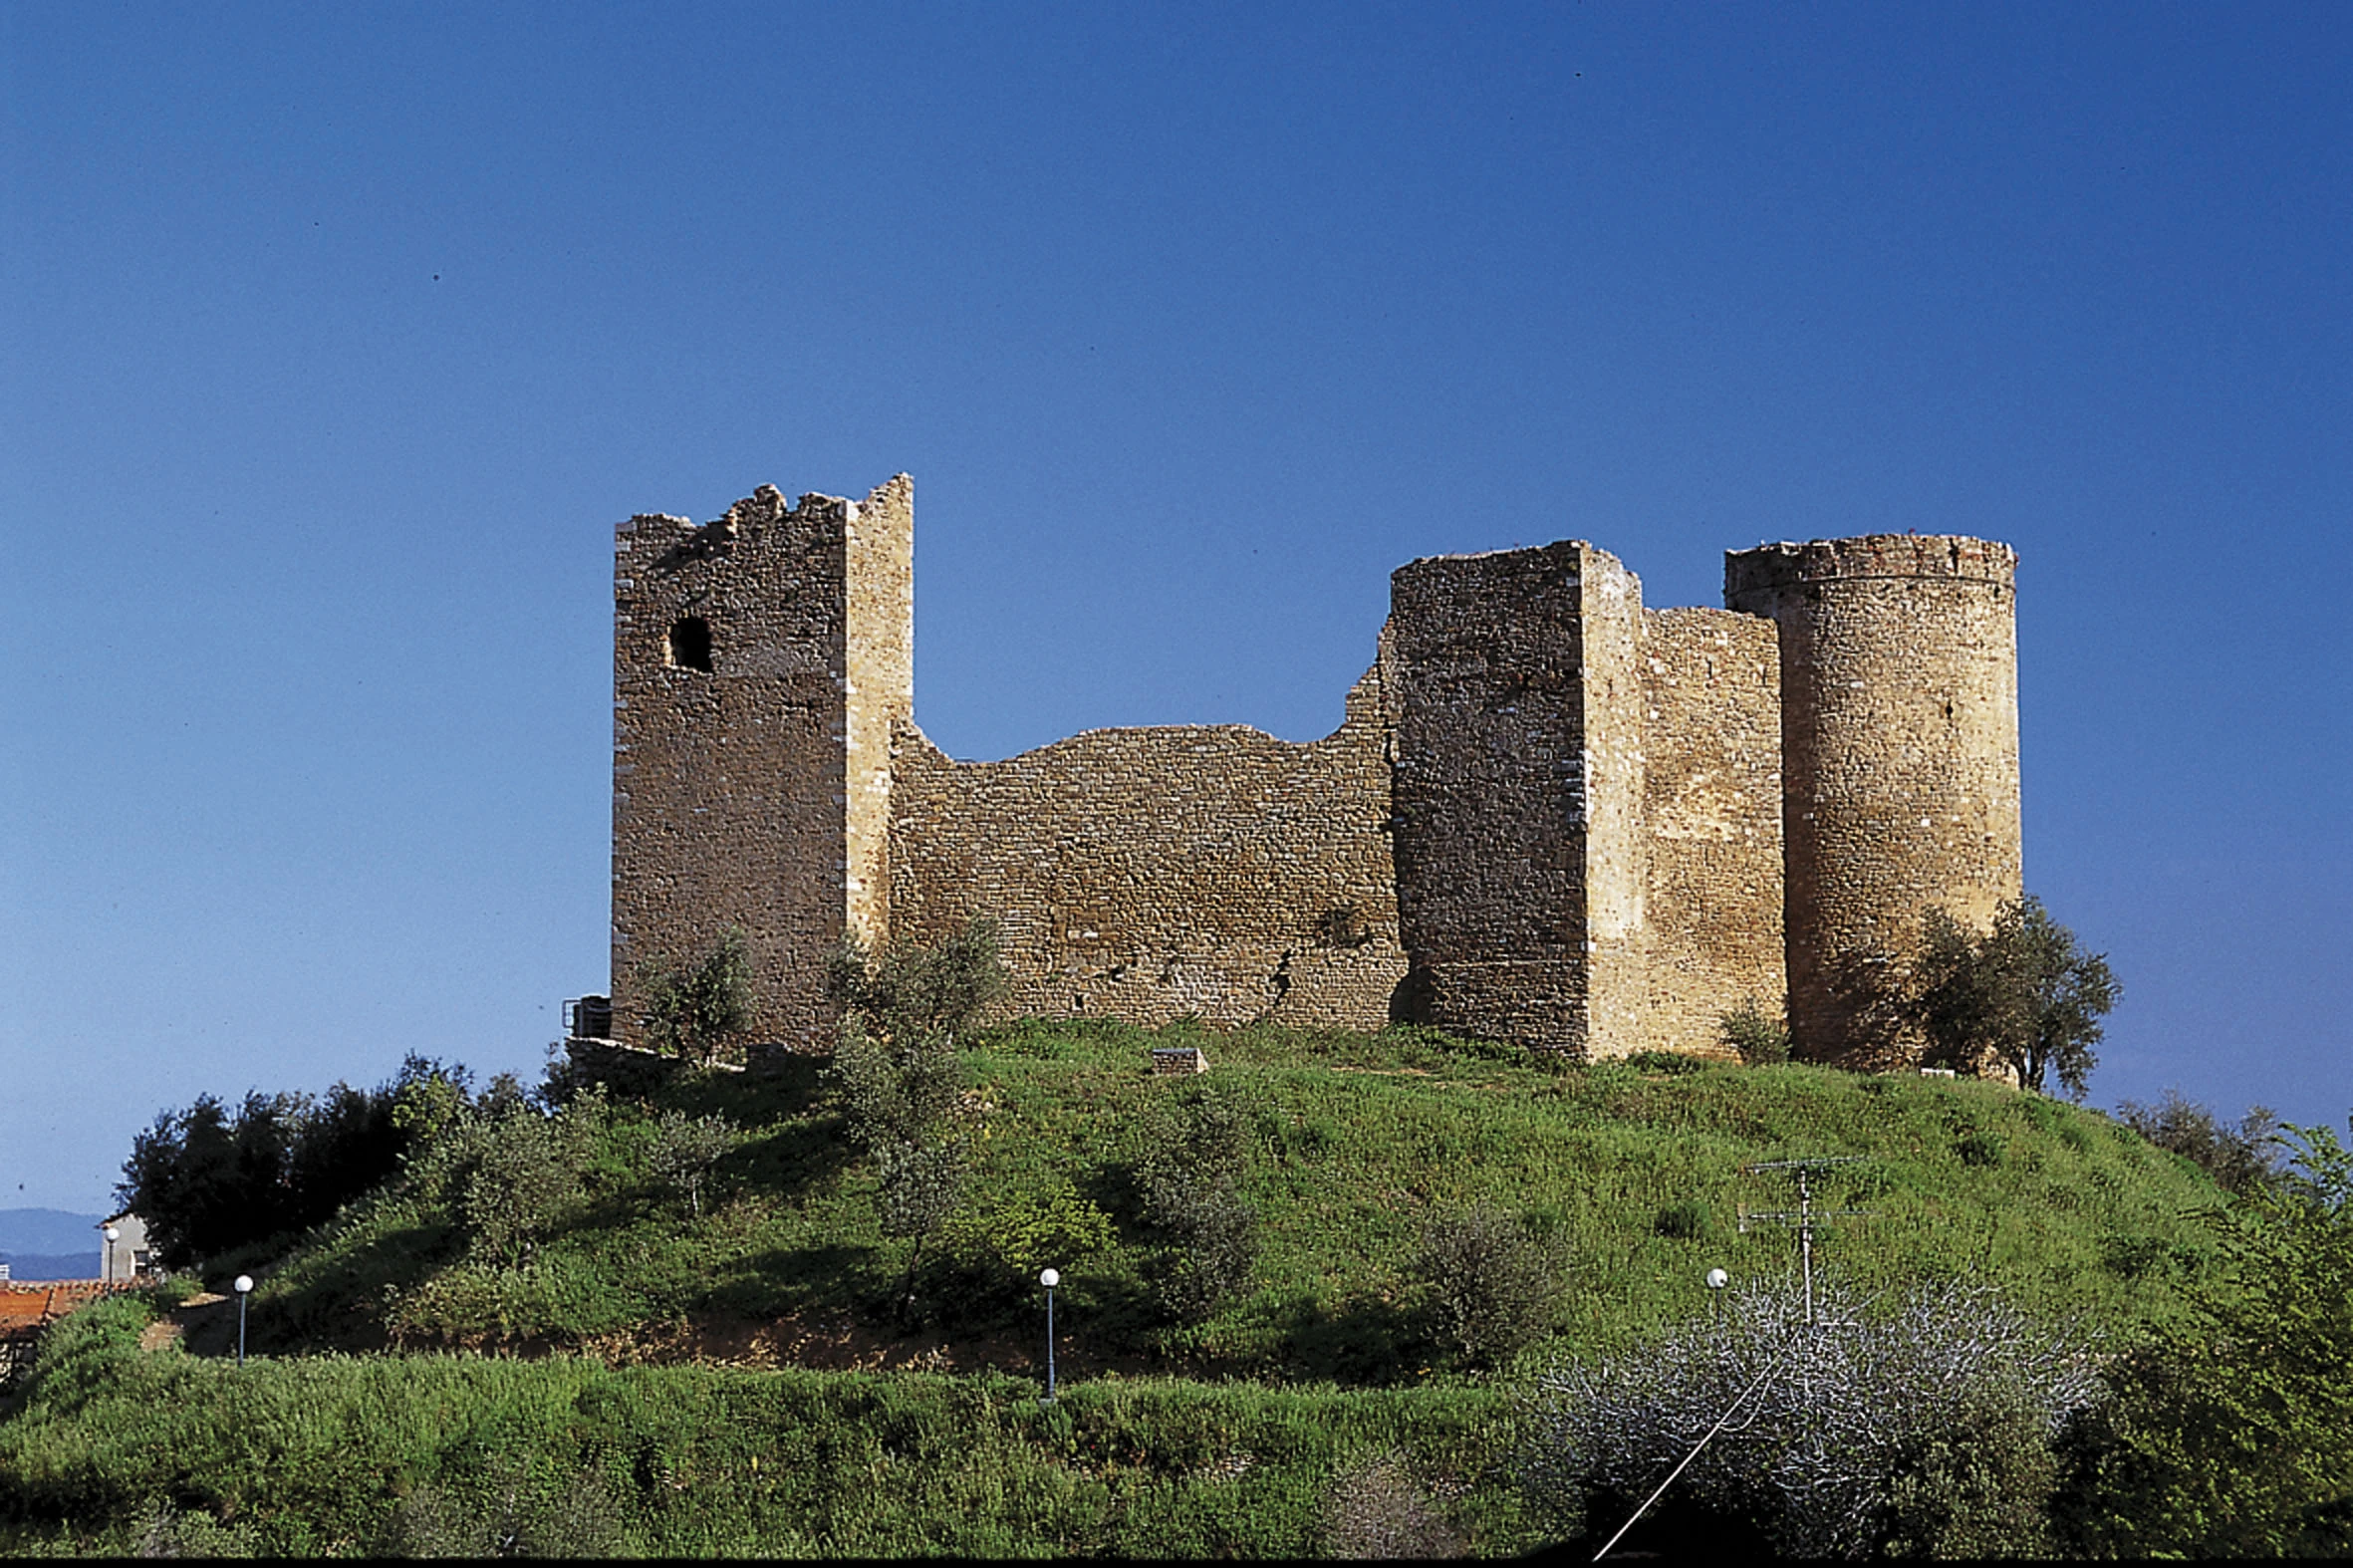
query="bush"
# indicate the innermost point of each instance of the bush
(1006, 1235)
(1376, 1509)
(1758, 1038)
(1927, 1427)
(2233, 1435)
(208, 1180)
(695, 1010)
(1687, 1220)
(1191, 1172)
(684, 1150)
(932, 991)
(900, 1084)
(1492, 1285)
(2241, 1156)
(511, 1173)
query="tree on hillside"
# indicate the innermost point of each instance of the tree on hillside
(2241, 1156)
(900, 1084)
(2232, 1436)
(1192, 1169)
(209, 1178)
(684, 1149)
(2024, 995)
(694, 1009)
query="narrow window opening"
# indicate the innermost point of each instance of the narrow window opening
(690, 645)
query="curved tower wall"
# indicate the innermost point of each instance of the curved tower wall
(1900, 759)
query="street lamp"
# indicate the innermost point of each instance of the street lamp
(1050, 1278)
(113, 1233)
(1716, 1280)
(244, 1289)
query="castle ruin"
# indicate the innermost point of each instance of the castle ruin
(1551, 816)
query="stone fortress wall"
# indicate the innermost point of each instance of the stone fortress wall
(1551, 816)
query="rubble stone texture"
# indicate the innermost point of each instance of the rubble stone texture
(1900, 756)
(1550, 817)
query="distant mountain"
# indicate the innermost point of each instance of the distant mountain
(41, 1267)
(47, 1230)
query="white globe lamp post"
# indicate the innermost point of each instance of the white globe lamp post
(1050, 1278)
(244, 1289)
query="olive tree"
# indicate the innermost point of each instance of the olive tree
(898, 1077)
(2024, 994)
(695, 1009)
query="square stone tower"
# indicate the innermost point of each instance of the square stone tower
(1517, 794)
(760, 663)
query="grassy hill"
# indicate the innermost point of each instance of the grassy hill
(653, 1387)
(1354, 1142)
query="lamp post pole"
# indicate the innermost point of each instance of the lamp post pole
(1050, 1278)
(244, 1289)
(1716, 1280)
(113, 1234)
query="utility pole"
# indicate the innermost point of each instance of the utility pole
(1802, 1217)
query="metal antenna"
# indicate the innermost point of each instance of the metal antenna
(1803, 1216)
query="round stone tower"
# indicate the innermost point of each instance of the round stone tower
(1899, 760)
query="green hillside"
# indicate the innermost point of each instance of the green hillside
(123, 1452)
(643, 1395)
(1354, 1142)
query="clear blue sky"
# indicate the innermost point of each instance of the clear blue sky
(337, 337)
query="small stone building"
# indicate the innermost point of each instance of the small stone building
(1551, 816)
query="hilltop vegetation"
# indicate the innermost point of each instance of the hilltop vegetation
(123, 1452)
(614, 1235)
(1352, 1146)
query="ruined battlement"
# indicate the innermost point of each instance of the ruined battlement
(1551, 816)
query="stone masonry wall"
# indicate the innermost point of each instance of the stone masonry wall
(732, 799)
(1151, 873)
(1900, 759)
(1615, 765)
(1712, 684)
(1495, 790)
(1549, 816)
(878, 652)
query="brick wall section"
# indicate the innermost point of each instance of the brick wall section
(1149, 874)
(1900, 757)
(1712, 684)
(733, 800)
(1495, 791)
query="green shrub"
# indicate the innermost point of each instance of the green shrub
(209, 1180)
(1687, 1220)
(1979, 1148)
(1009, 1235)
(684, 1150)
(1760, 1038)
(695, 1010)
(1192, 1169)
(1491, 1284)
(2232, 1435)
(908, 990)
(2241, 1156)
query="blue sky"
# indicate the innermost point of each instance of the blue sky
(336, 338)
